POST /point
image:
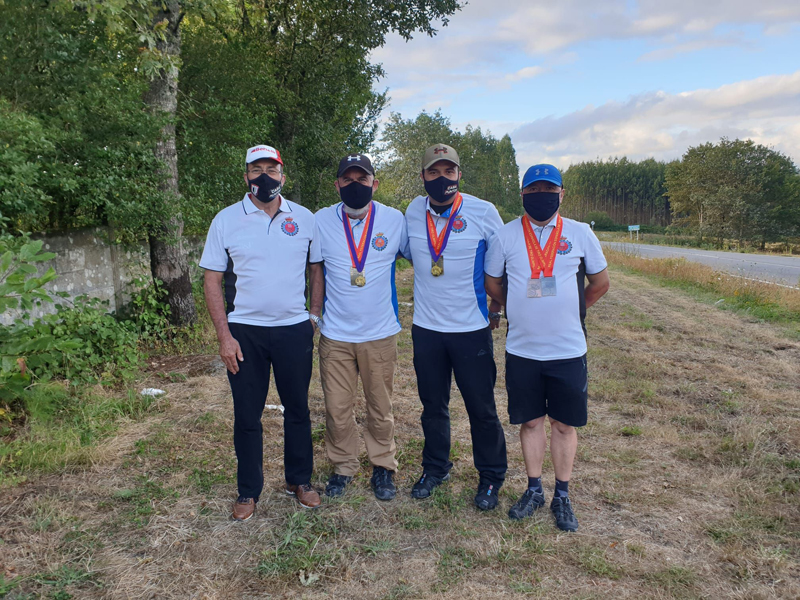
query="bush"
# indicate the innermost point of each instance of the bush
(602, 221)
(82, 343)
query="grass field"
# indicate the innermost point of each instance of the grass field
(687, 484)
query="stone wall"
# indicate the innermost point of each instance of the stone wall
(88, 265)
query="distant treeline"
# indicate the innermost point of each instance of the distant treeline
(627, 192)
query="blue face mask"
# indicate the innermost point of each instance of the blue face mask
(265, 188)
(356, 195)
(540, 206)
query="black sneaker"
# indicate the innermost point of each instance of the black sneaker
(336, 485)
(565, 518)
(486, 498)
(530, 502)
(426, 484)
(382, 484)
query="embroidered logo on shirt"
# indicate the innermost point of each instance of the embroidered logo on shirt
(289, 227)
(564, 246)
(379, 242)
(460, 224)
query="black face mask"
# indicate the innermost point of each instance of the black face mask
(541, 205)
(265, 188)
(442, 189)
(356, 195)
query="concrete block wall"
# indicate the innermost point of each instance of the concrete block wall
(87, 264)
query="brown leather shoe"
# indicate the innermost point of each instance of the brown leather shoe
(306, 495)
(243, 509)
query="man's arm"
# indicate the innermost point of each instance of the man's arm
(229, 350)
(598, 285)
(316, 283)
(494, 288)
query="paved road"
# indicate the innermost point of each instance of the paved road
(780, 269)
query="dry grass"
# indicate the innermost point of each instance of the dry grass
(761, 299)
(686, 486)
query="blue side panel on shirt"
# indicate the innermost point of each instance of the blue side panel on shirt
(477, 279)
(394, 294)
(325, 297)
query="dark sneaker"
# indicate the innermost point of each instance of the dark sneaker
(382, 483)
(529, 503)
(565, 518)
(243, 508)
(306, 495)
(426, 484)
(486, 498)
(336, 485)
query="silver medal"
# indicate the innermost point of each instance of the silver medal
(534, 288)
(548, 286)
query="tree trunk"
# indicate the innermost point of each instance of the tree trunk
(168, 261)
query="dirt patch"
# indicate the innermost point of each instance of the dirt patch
(686, 485)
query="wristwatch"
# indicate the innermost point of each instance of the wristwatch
(495, 316)
(317, 321)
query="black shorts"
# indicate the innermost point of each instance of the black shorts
(556, 388)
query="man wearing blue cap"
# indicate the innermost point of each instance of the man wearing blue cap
(546, 259)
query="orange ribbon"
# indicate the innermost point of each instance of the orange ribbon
(437, 243)
(541, 260)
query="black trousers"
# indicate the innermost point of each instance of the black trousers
(470, 356)
(290, 351)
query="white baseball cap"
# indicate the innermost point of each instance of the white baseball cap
(259, 152)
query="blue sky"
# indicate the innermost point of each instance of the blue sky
(579, 79)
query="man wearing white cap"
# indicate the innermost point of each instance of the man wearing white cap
(447, 237)
(258, 249)
(546, 259)
(359, 240)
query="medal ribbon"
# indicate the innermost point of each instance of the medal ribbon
(541, 260)
(359, 255)
(437, 243)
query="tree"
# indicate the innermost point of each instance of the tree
(735, 189)
(128, 53)
(489, 165)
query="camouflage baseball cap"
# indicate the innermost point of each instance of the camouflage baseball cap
(439, 152)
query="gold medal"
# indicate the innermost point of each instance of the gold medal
(437, 268)
(357, 279)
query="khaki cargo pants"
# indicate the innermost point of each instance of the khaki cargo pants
(340, 364)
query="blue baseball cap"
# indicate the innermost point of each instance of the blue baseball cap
(542, 173)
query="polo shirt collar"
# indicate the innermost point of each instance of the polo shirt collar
(445, 214)
(250, 208)
(550, 223)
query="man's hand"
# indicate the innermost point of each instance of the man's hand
(231, 353)
(494, 311)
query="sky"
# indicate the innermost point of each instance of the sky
(578, 80)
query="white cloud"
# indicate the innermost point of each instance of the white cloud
(661, 125)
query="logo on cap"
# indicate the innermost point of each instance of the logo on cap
(356, 157)
(289, 227)
(440, 150)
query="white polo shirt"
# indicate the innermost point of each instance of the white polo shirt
(263, 261)
(360, 314)
(455, 301)
(551, 327)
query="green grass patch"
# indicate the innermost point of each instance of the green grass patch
(63, 427)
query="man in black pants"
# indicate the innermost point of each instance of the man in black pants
(258, 249)
(447, 239)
